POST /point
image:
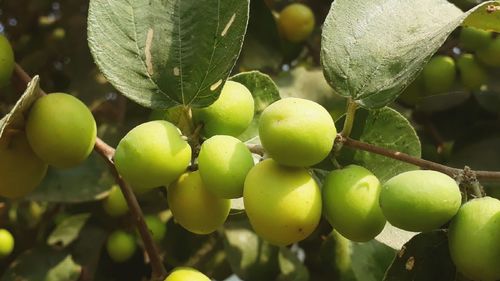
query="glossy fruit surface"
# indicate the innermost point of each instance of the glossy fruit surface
(473, 39)
(6, 243)
(439, 75)
(115, 204)
(230, 114)
(297, 132)
(282, 203)
(61, 130)
(121, 246)
(21, 170)
(490, 55)
(296, 22)
(186, 274)
(472, 74)
(194, 207)
(474, 239)
(420, 200)
(6, 61)
(156, 227)
(152, 154)
(351, 203)
(224, 162)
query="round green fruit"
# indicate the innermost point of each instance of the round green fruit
(439, 75)
(61, 130)
(115, 204)
(152, 154)
(490, 55)
(283, 204)
(156, 227)
(474, 239)
(121, 246)
(186, 274)
(6, 61)
(473, 39)
(21, 170)
(194, 207)
(420, 200)
(6, 243)
(230, 114)
(296, 22)
(297, 132)
(351, 203)
(224, 162)
(472, 74)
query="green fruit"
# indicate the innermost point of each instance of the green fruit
(6, 61)
(61, 130)
(474, 239)
(473, 39)
(6, 243)
(283, 204)
(351, 203)
(156, 227)
(194, 207)
(297, 132)
(121, 246)
(186, 274)
(152, 154)
(439, 74)
(490, 55)
(224, 162)
(230, 114)
(21, 171)
(420, 200)
(115, 204)
(472, 75)
(296, 22)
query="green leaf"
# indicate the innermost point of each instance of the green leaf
(88, 247)
(68, 230)
(163, 53)
(425, 257)
(292, 269)
(487, 16)
(43, 264)
(384, 128)
(370, 260)
(264, 92)
(371, 50)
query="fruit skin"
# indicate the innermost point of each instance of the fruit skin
(6, 243)
(420, 200)
(224, 162)
(297, 132)
(473, 39)
(490, 54)
(439, 74)
(350, 203)
(283, 204)
(296, 22)
(6, 61)
(21, 170)
(194, 207)
(115, 204)
(121, 246)
(152, 154)
(61, 130)
(186, 274)
(156, 227)
(474, 240)
(230, 114)
(472, 74)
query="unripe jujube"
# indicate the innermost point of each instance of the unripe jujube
(121, 246)
(6, 61)
(186, 274)
(439, 74)
(296, 22)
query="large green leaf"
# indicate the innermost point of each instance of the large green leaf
(371, 50)
(162, 53)
(370, 260)
(68, 230)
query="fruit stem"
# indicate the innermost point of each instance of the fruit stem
(349, 118)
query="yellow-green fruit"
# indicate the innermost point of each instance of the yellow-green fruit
(490, 54)
(21, 171)
(474, 239)
(224, 162)
(115, 204)
(156, 227)
(296, 22)
(439, 74)
(472, 74)
(297, 132)
(473, 39)
(186, 274)
(6, 243)
(230, 114)
(152, 154)
(351, 203)
(420, 200)
(283, 204)
(61, 130)
(121, 246)
(6, 61)
(194, 207)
